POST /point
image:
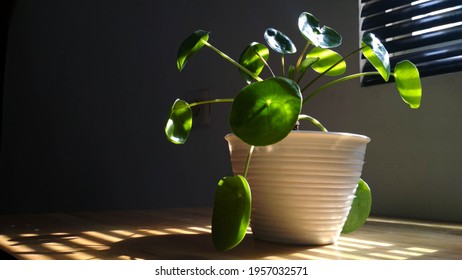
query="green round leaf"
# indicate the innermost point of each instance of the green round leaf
(407, 80)
(190, 46)
(327, 59)
(360, 209)
(179, 122)
(252, 59)
(264, 113)
(231, 212)
(324, 37)
(377, 54)
(279, 42)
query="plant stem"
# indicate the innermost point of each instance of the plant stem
(330, 68)
(225, 56)
(283, 66)
(300, 58)
(247, 163)
(301, 76)
(266, 64)
(346, 78)
(224, 100)
(314, 121)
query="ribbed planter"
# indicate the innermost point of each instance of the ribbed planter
(302, 187)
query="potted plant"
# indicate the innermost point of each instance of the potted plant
(263, 116)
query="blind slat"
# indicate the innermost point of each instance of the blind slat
(438, 67)
(420, 24)
(428, 33)
(406, 13)
(424, 57)
(380, 6)
(431, 54)
(408, 43)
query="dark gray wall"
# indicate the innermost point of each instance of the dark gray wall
(88, 86)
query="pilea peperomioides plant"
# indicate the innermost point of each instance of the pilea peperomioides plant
(265, 111)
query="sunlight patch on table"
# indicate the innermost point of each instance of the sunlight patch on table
(87, 243)
(102, 236)
(366, 242)
(387, 256)
(201, 229)
(127, 233)
(153, 232)
(423, 250)
(405, 253)
(338, 255)
(180, 231)
(307, 256)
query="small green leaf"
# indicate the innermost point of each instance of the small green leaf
(291, 72)
(279, 42)
(306, 63)
(264, 113)
(231, 212)
(252, 59)
(327, 58)
(377, 54)
(324, 37)
(190, 46)
(407, 80)
(360, 209)
(179, 122)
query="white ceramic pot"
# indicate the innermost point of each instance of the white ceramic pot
(302, 187)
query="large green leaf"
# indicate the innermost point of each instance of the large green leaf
(179, 122)
(327, 59)
(251, 58)
(360, 209)
(279, 42)
(407, 80)
(377, 54)
(231, 212)
(324, 37)
(190, 46)
(264, 113)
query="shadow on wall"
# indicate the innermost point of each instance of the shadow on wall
(88, 86)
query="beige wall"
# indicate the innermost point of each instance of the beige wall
(89, 84)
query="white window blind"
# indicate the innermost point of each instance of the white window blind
(426, 32)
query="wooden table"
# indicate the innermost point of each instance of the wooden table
(185, 234)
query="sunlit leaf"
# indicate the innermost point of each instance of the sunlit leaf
(279, 42)
(179, 122)
(407, 80)
(327, 58)
(264, 113)
(360, 209)
(190, 46)
(231, 212)
(377, 54)
(252, 59)
(324, 37)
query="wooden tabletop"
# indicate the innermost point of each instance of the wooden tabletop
(185, 234)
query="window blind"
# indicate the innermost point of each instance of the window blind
(426, 32)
